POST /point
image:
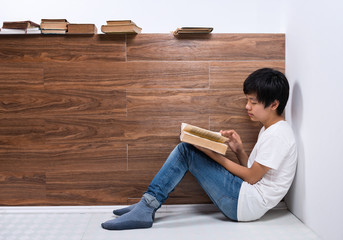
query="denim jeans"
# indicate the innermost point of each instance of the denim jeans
(220, 185)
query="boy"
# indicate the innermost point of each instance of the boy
(245, 191)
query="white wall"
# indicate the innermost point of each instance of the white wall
(314, 50)
(154, 16)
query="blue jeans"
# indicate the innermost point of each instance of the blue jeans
(220, 185)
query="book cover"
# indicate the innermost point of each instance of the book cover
(53, 20)
(60, 24)
(121, 29)
(54, 25)
(119, 22)
(193, 30)
(203, 138)
(74, 28)
(20, 25)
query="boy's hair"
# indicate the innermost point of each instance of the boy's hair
(269, 85)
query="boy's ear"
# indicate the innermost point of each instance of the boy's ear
(275, 105)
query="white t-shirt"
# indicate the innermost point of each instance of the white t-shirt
(276, 149)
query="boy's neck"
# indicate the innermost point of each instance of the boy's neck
(272, 121)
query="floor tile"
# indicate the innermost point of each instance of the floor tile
(171, 222)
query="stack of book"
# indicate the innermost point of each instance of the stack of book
(80, 28)
(20, 27)
(54, 26)
(193, 30)
(120, 27)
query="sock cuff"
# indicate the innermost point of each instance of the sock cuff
(151, 201)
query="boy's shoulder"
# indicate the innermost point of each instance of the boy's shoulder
(281, 131)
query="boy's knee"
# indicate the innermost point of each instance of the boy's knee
(188, 151)
(184, 147)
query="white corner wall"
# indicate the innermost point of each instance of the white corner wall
(314, 50)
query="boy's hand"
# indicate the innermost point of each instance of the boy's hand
(234, 142)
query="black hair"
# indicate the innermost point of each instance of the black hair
(269, 85)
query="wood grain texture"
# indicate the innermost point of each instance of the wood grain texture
(228, 75)
(22, 188)
(28, 158)
(152, 157)
(21, 131)
(185, 102)
(106, 187)
(62, 48)
(91, 103)
(83, 129)
(127, 75)
(17, 76)
(152, 130)
(83, 157)
(214, 47)
(91, 120)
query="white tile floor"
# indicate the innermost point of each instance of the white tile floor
(171, 222)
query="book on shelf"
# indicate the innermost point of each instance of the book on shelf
(20, 31)
(203, 138)
(193, 30)
(78, 28)
(20, 25)
(54, 20)
(119, 22)
(120, 27)
(54, 26)
(53, 31)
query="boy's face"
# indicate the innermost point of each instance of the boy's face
(257, 111)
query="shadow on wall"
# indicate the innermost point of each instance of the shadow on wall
(297, 194)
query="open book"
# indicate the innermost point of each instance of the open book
(203, 138)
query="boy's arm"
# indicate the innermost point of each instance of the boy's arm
(251, 175)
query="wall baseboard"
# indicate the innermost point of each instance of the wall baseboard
(110, 208)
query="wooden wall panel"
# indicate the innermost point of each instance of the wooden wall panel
(185, 102)
(214, 47)
(16, 76)
(153, 156)
(152, 130)
(127, 75)
(16, 132)
(228, 75)
(89, 120)
(82, 157)
(37, 104)
(83, 129)
(22, 188)
(59, 48)
(106, 187)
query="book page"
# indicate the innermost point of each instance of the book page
(213, 136)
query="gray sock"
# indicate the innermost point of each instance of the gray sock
(141, 216)
(122, 211)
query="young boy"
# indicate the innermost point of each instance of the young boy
(245, 191)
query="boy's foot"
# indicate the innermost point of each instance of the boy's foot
(122, 211)
(141, 216)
